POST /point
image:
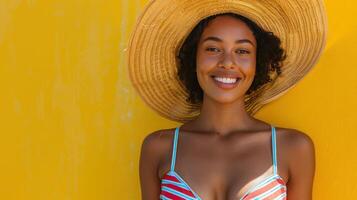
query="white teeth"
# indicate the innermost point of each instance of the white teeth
(225, 80)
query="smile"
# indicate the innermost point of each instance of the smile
(226, 82)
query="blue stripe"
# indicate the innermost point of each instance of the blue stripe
(173, 158)
(265, 182)
(183, 181)
(259, 185)
(181, 185)
(177, 193)
(275, 163)
(282, 196)
(269, 192)
(163, 197)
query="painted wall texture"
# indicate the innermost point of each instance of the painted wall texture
(71, 124)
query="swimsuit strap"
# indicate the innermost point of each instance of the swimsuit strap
(173, 157)
(273, 138)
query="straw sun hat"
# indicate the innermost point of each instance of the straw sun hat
(164, 25)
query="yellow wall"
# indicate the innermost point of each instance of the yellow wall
(71, 124)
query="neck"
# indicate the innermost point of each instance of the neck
(222, 118)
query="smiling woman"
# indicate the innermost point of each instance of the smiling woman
(212, 66)
(262, 47)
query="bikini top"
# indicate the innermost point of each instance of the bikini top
(174, 187)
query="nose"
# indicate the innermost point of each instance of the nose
(227, 61)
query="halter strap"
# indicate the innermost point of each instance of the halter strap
(174, 148)
(273, 138)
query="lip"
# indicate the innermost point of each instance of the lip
(226, 74)
(226, 85)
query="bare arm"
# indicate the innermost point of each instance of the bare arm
(301, 167)
(148, 167)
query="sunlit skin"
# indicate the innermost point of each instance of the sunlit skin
(225, 151)
(227, 46)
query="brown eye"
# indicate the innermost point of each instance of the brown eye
(213, 49)
(242, 51)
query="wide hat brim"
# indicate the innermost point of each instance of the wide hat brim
(164, 25)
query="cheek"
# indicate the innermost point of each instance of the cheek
(248, 66)
(205, 63)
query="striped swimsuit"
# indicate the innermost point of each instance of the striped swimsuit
(173, 187)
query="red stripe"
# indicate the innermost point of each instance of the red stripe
(171, 196)
(281, 181)
(170, 178)
(179, 189)
(276, 194)
(262, 190)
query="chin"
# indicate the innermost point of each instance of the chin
(226, 98)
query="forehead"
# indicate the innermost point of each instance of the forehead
(228, 27)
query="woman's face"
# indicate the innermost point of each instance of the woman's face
(226, 59)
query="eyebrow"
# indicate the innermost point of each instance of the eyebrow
(237, 41)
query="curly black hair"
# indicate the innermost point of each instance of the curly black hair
(269, 57)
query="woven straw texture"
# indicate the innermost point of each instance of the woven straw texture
(164, 24)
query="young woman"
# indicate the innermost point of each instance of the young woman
(226, 64)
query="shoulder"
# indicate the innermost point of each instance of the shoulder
(157, 142)
(300, 155)
(297, 143)
(299, 152)
(153, 148)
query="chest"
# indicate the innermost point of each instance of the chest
(225, 170)
(221, 177)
